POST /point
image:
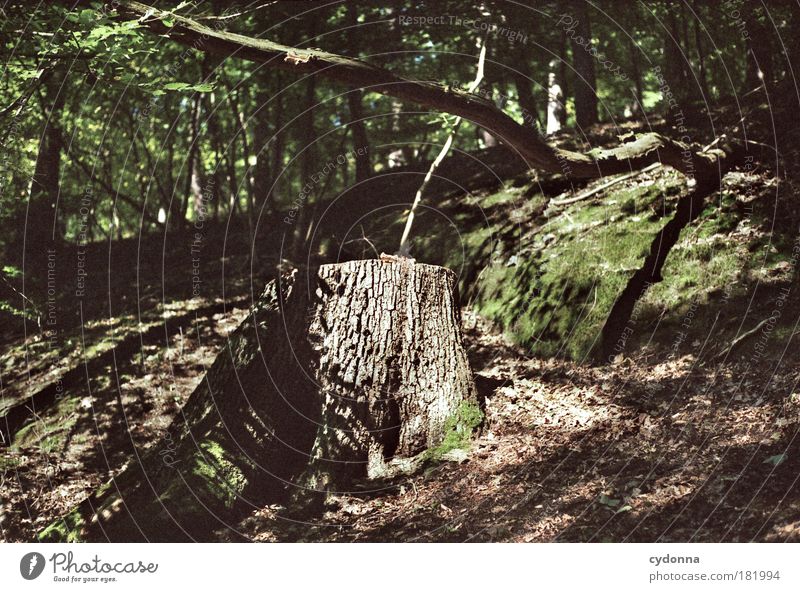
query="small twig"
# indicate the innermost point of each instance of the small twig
(741, 338)
(603, 187)
(404, 249)
(21, 295)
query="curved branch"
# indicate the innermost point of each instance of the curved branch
(645, 150)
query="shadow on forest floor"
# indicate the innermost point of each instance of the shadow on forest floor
(667, 452)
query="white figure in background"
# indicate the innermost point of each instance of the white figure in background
(555, 106)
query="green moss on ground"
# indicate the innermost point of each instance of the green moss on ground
(49, 431)
(549, 279)
(64, 530)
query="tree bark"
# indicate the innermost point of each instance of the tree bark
(701, 53)
(41, 228)
(355, 105)
(193, 190)
(392, 368)
(360, 138)
(523, 81)
(585, 82)
(307, 141)
(759, 44)
(339, 372)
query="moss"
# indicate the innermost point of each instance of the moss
(216, 469)
(555, 300)
(49, 432)
(64, 530)
(213, 473)
(550, 282)
(9, 462)
(457, 430)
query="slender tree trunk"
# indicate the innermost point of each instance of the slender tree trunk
(677, 69)
(262, 171)
(583, 61)
(307, 139)
(364, 368)
(240, 125)
(42, 229)
(360, 138)
(279, 141)
(563, 75)
(701, 52)
(216, 144)
(636, 73)
(354, 102)
(233, 184)
(523, 83)
(759, 45)
(194, 185)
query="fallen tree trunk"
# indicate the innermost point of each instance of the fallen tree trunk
(335, 374)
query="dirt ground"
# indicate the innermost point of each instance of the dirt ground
(639, 451)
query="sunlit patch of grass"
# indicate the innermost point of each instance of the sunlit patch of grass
(49, 432)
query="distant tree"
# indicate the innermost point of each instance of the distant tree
(584, 63)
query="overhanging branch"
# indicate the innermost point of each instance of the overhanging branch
(645, 150)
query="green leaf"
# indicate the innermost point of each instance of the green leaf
(607, 501)
(168, 22)
(176, 85)
(101, 32)
(777, 459)
(203, 87)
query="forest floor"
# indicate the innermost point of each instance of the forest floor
(675, 451)
(636, 451)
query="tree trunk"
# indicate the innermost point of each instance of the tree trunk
(307, 141)
(701, 53)
(240, 124)
(194, 184)
(759, 46)
(677, 69)
(523, 82)
(262, 172)
(563, 75)
(338, 373)
(355, 104)
(391, 371)
(582, 59)
(360, 138)
(41, 230)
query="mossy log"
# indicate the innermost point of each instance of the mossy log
(337, 372)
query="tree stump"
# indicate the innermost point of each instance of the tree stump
(337, 372)
(391, 365)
